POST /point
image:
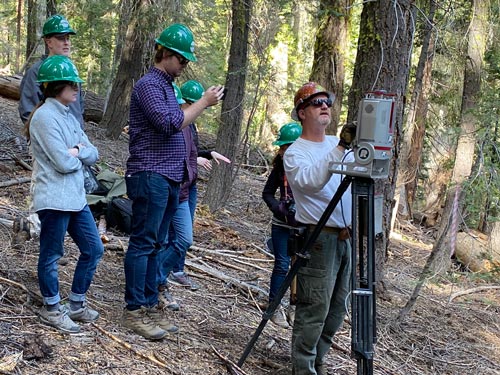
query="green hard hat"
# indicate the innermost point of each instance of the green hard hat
(288, 133)
(178, 38)
(58, 68)
(57, 24)
(192, 91)
(178, 94)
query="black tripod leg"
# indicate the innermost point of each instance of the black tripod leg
(301, 260)
(363, 332)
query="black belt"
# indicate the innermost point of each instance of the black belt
(343, 233)
(312, 227)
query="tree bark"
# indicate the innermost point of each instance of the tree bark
(383, 62)
(329, 53)
(9, 86)
(413, 139)
(129, 70)
(228, 134)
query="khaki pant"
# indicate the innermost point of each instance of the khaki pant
(323, 286)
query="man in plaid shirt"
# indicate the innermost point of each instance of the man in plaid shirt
(155, 169)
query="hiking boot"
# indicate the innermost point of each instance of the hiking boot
(58, 319)
(279, 319)
(85, 314)
(183, 280)
(165, 299)
(290, 314)
(142, 324)
(320, 369)
(158, 316)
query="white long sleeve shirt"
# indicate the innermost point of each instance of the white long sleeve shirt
(307, 167)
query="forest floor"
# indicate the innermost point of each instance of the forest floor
(454, 328)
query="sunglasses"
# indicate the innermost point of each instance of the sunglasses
(61, 37)
(319, 103)
(182, 59)
(73, 85)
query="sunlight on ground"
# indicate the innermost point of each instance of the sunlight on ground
(410, 241)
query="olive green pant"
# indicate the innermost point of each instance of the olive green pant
(323, 286)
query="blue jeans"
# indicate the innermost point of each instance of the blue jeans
(180, 238)
(279, 236)
(193, 198)
(155, 200)
(82, 228)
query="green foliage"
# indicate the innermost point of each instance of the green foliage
(94, 22)
(8, 24)
(483, 188)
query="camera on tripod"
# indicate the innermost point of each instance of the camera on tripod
(373, 144)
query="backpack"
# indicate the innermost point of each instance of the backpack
(119, 214)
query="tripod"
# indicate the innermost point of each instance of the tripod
(362, 281)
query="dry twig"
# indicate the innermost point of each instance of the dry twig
(131, 348)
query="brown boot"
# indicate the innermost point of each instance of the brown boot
(158, 316)
(139, 322)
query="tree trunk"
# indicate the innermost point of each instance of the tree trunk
(124, 9)
(295, 46)
(228, 134)
(439, 259)
(413, 139)
(129, 70)
(329, 53)
(464, 155)
(36, 16)
(18, 34)
(383, 62)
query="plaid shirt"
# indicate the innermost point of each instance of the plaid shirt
(156, 141)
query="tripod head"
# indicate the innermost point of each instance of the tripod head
(372, 146)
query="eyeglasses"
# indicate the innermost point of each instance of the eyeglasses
(182, 59)
(319, 102)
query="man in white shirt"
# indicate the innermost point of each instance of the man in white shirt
(323, 283)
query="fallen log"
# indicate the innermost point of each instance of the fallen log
(473, 250)
(94, 104)
(9, 86)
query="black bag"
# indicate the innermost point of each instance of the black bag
(119, 214)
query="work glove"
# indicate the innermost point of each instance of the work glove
(347, 135)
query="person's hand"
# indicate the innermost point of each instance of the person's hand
(75, 150)
(282, 209)
(216, 156)
(204, 162)
(347, 135)
(213, 95)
